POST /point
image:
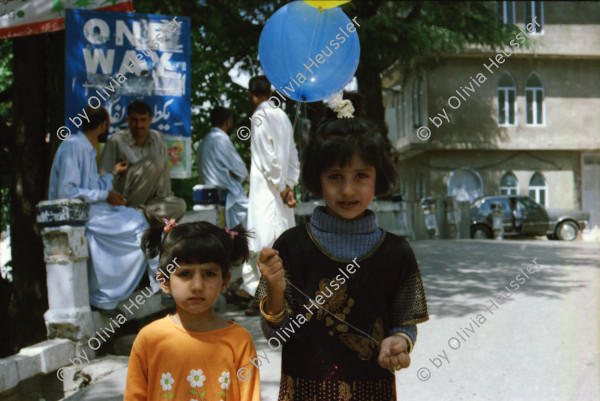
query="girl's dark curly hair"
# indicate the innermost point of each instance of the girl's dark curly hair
(198, 242)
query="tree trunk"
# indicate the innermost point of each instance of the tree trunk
(56, 95)
(30, 156)
(369, 69)
(369, 85)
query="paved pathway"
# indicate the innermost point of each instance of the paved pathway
(541, 344)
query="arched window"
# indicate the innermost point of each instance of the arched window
(399, 108)
(417, 188)
(538, 189)
(418, 103)
(507, 94)
(534, 94)
(509, 185)
(465, 184)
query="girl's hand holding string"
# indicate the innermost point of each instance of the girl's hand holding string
(394, 353)
(271, 267)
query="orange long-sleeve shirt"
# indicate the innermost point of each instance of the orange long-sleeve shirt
(170, 363)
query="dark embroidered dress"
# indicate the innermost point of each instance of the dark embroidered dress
(324, 358)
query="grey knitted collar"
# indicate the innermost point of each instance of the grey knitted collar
(322, 221)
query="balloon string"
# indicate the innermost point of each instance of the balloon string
(341, 320)
(312, 41)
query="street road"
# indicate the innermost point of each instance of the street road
(541, 343)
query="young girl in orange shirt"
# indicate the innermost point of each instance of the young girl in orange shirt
(193, 354)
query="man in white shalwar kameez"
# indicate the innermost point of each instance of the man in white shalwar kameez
(116, 262)
(218, 163)
(274, 172)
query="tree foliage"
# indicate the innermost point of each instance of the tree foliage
(407, 34)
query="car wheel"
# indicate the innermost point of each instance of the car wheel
(567, 231)
(481, 232)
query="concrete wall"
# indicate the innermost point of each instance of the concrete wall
(572, 99)
(569, 28)
(566, 55)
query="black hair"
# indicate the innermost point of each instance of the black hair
(220, 115)
(139, 107)
(260, 86)
(335, 141)
(96, 117)
(197, 242)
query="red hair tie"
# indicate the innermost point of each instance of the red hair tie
(231, 233)
(169, 224)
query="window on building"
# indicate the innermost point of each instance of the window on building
(399, 106)
(417, 188)
(507, 95)
(538, 189)
(418, 106)
(509, 185)
(506, 12)
(403, 189)
(465, 184)
(535, 10)
(534, 97)
(404, 115)
(391, 116)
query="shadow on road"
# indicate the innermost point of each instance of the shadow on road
(461, 276)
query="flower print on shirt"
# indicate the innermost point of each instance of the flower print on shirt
(166, 382)
(197, 379)
(224, 380)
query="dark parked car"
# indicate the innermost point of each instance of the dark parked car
(522, 216)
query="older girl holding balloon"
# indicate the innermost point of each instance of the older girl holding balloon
(342, 336)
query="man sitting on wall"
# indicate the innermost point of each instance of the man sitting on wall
(116, 262)
(147, 183)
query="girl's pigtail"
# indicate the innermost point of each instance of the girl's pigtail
(152, 238)
(240, 251)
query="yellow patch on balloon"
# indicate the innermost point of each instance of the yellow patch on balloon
(322, 4)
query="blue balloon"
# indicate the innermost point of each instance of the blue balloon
(309, 55)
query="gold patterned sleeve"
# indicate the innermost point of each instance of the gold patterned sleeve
(263, 290)
(409, 304)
